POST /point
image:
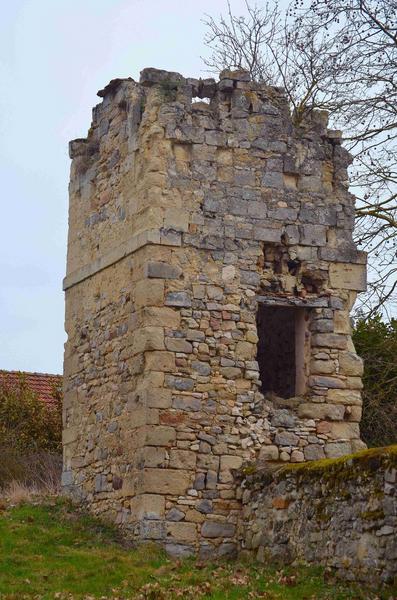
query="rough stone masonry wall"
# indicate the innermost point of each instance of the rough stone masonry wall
(184, 216)
(341, 514)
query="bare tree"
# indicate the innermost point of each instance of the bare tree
(340, 56)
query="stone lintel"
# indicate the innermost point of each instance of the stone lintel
(321, 302)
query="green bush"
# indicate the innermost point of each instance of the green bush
(27, 424)
(376, 343)
(30, 436)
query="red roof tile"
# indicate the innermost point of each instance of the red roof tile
(41, 383)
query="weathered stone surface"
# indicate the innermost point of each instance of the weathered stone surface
(334, 412)
(148, 506)
(166, 481)
(344, 431)
(148, 338)
(227, 465)
(286, 438)
(162, 270)
(268, 453)
(178, 345)
(182, 459)
(330, 340)
(337, 449)
(160, 435)
(184, 532)
(212, 529)
(350, 364)
(348, 276)
(338, 515)
(177, 299)
(314, 452)
(186, 220)
(149, 293)
(175, 515)
(202, 368)
(188, 403)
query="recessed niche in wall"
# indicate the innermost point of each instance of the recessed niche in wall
(282, 349)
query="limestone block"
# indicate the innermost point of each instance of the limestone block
(347, 397)
(201, 367)
(347, 431)
(227, 464)
(148, 293)
(214, 529)
(313, 235)
(314, 452)
(245, 351)
(231, 372)
(310, 183)
(176, 219)
(162, 270)
(268, 453)
(175, 515)
(354, 383)
(101, 483)
(147, 338)
(158, 397)
(152, 530)
(160, 361)
(154, 456)
(337, 449)
(330, 340)
(178, 345)
(228, 273)
(348, 276)
(326, 382)
(148, 218)
(297, 456)
(183, 532)
(342, 322)
(147, 506)
(334, 412)
(358, 445)
(194, 516)
(182, 384)
(286, 438)
(159, 435)
(166, 481)
(350, 364)
(198, 291)
(267, 234)
(354, 413)
(182, 459)
(70, 434)
(273, 180)
(178, 299)
(160, 317)
(323, 367)
(186, 403)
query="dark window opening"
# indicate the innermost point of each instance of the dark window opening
(281, 350)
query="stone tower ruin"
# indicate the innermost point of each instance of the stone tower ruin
(210, 274)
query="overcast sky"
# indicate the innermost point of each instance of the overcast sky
(54, 56)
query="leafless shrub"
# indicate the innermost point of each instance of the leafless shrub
(38, 472)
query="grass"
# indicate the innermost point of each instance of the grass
(50, 551)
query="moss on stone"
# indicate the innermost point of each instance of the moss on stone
(335, 470)
(351, 464)
(372, 515)
(249, 469)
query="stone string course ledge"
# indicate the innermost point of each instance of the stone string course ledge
(184, 216)
(340, 513)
